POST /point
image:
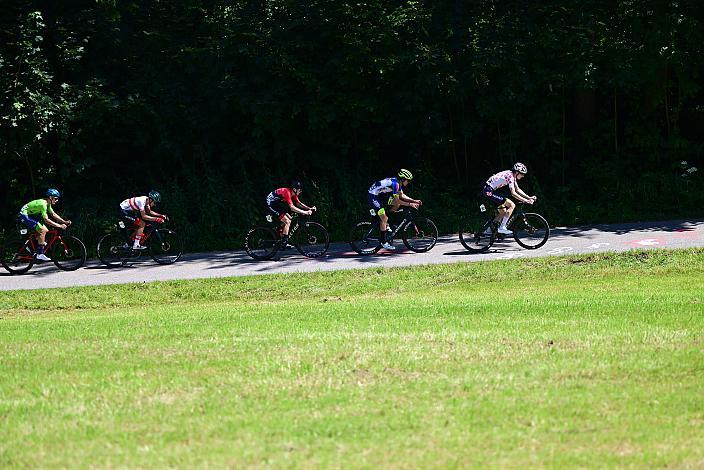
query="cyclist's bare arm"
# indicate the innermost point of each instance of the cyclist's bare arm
(305, 207)
(154, 213)
(520, 198)
(55, 220)
(298, 210)
(151, 216)
(54, 223)
(523, 194)
(408, 201)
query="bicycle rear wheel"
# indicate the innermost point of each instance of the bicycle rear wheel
(365, 238)
(530, 230)
(165, 246)
(68, 253)
(17, 255)
(312, 240)
(113, 249)
(477, 234)
(261, 243)
(420, 235)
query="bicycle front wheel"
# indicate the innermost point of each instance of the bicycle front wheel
(68, 253)
(477, 234)
(420, 235)
(261, 243)
(165, 246)
(365, 238)
(17, 255)
(312, 240)
(530, 230)
(113, 249)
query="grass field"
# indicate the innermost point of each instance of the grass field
(578, 361)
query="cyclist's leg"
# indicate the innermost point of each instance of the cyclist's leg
(136, 227)
(39, 228)
(33, 225)
(508, 207)
(130, 218)
(394, 204)
(378, 208)
(384, 232)
(497, 200)
(285, 223)
(280, 211)
(42, 230)
(139, 234)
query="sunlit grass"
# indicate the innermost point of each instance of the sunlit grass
(581, 361)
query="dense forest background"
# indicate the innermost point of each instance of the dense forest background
(215, 103)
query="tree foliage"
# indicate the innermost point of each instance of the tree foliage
(218, 102)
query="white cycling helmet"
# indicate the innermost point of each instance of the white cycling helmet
(520, 168)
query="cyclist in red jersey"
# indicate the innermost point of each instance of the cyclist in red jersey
(283, 201)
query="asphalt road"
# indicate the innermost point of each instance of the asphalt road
(563, 241)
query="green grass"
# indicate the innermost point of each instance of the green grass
(580, 361)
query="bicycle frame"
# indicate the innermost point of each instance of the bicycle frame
(517, 212)
(149, 229)
(407, 219)
(31, 243)
(295, 225)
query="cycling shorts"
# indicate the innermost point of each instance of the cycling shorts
(279, 208)
(376, 203)
(489, 194)
(30, 223)
(130, 216)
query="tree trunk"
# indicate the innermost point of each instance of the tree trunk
(466, 160)
(564, 133)
(616, 149)
(667, 112)
(453, 150)
(31, 172)
(501, 153)
(615, 120)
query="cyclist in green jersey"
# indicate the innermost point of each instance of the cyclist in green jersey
(36, 213)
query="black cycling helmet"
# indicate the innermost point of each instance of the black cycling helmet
(296, 184)
(154, 196)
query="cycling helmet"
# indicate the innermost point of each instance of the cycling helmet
(405, 174)
(520, 168)
(155, 196)
(296, 184)
(51, 192)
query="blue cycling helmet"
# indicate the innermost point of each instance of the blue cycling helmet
(51, 192)
(155, 196)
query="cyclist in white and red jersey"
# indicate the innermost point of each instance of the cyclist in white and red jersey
(282, 201)
(136, 210)
(504, 205)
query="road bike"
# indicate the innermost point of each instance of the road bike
(418, 233)
(479, 231)
(115, 248)
(311, 239)
(19, 252)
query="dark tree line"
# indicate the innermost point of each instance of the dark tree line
(217, 102)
